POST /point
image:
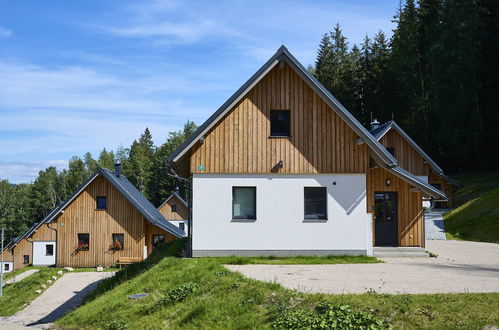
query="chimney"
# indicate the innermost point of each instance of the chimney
(374, 124)
(117, 169)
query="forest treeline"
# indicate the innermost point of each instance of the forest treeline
(436, 76)
(143, 163)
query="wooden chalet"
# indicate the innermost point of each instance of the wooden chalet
(282, 168)
(176, 210)
(105, 222)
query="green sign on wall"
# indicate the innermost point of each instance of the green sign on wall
(201, 168)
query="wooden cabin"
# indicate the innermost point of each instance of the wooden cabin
(8, 259)
(412, 158)
(282, 168)
(176, 211)
(106, 221)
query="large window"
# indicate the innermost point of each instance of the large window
(244, 203)
(25, 259)
(83, 242)
(157, 239)
(101, 202)
(118, 242)
(316, 203)
(280, 123)
(49, 249)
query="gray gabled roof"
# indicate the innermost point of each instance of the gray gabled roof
(284, 55)
(141, 203)
(174, 194)
(379, 132)
(416, 182)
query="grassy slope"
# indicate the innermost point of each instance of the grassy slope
(298, 260)
(226, 299)
(16, 295)
(477, 219)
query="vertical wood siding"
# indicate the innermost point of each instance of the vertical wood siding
(445, 186)
(182, 212)
(320, 142)
(410, 208)
(25, 246)
(81, 216)
(408, 157)
(153, 230)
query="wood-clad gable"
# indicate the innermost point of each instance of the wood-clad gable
(320, 141)
(82, 217)
(407, 156)
(410, 208)
(167, 209)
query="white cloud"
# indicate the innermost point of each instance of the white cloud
(5, 33)
(25, 172)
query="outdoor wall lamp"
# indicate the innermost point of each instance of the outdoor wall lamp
(388, 182)
(280, 164)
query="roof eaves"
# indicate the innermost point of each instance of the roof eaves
(384, 155)
(415, 181)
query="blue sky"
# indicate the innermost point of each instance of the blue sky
(78, 76)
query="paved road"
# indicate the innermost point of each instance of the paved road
(21, 276)
(434, 224)
(460, 267)
(61, 297)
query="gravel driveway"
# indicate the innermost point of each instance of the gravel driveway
(460, 267)
(61, 297)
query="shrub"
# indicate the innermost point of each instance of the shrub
(329, 316)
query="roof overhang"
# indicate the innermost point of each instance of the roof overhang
(417, 183)
(283, 55)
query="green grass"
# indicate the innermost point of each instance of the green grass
(201, 293)
(9, 275)
(16, 295)
(298, 260)
(477, 219)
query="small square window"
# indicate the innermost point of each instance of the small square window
(25, 259)
(174, 208)
(6, 267)
(316, 203)
(391, 151)
(118, 242)
(157, 239)
(83, 242)
(181, 225)
(101, 202)
(244, 203)
(49, 249)
(280, 123)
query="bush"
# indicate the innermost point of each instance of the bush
(329, 316)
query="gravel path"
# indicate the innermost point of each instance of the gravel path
(21, 276)
(460, 267)
(61, 297)
(434, 224)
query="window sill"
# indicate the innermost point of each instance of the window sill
(280, 136)
(243, 220)
(315, 220)
(100, 209)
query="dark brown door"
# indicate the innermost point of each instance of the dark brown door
(385, 218)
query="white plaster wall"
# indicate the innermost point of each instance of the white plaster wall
(280, 223)
(11, 266)
(39, 257)
(176, 223)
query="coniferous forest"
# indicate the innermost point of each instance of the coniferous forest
(436, 77)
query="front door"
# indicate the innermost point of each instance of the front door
(385, 219)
